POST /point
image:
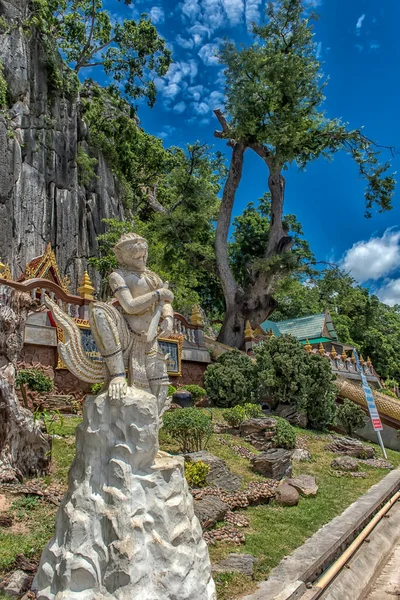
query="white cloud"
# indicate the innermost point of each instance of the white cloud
(157, 15)
(201, 108)
(252, 11)
(167, 131)
(216, 99)
(171, 90)
(183, 42)
(376, 258)
(180, 107)
(199, 33)
(360, 21)
(208, 54)
(234, 10)
(190, 8)
(390, 292)
(196, 92)
(319, 50)
(374, 45)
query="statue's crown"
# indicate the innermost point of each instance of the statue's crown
(134, 240)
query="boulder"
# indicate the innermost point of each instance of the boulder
(304, 484)
(292, 415)
(236, 563)
(377, 463)
(301, 455)
(17, 584)
(274, 463)
(350, 447)
(209, 510)
(257, 426)
(286, 495)
(219, 474)
(345, 463)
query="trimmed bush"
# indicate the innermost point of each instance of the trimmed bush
(171, 390)
(253, 411)
(190, 427)
(196, 391)
(235, 416)
(351, 416)
(196, 473)
(285, 436)
(231, 380)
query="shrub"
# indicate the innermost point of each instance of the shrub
(388, 392)
(285, 436)
(3, 88)
(290, 375)
(95, 389)
(33, 379)
(196, 473)
(190, 427)
(171, 390)
(196, 391)
(231, 380)
(235, 416)
(253, 411)
(351, 416)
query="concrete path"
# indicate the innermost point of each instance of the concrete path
(387, 584)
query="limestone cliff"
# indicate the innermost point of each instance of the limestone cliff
(40, 197)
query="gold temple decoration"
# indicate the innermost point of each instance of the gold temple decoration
(5, 271)
(196, 317)
(321, 349)
(362, 361)
(333, 352)
(353, 359)
(308, 346)
(86, 289)
(271, 333)
(46, 267)
(248, 332)
(344, 355)
(369, 362)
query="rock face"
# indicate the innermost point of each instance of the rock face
(219, 474)
(345, 463)
(273, 463)
(40, 197)
(350, 447)
(126, 528)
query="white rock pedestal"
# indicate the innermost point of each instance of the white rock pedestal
(126, 528)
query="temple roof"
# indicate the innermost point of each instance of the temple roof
(45, 266)
(312, 327)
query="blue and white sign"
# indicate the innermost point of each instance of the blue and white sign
(373, 411)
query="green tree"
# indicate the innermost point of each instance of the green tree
(34, 380)
(290, 375)
(274, 102)
(231, 380)
(351, 416)
(130, 52)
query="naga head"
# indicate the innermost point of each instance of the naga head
(131, 250)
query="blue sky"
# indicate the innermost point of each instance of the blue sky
(357, 42)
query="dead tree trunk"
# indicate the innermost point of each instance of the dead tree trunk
(24, 449)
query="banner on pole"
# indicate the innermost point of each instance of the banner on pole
(373, 411)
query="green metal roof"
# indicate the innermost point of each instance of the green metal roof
(311, 328)
(315, 340)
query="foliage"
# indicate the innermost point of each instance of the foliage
(253, 411)
(34, 379)
(171, 390)
(351, 416)
(196, 473)
(24, 505)
(95, 388)
(86, 166)
(50, 419)
(285, 436)
(289, 374)
(130, 53)
(388, 392)
(231, 380)
(196, 391)
(190, 427)
(3, 88)
(235, 416)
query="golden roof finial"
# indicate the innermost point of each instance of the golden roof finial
(362, 361)
(248, 332)
(2, 266)
(369, 362)
(5, 271)
(196, 317)
(333, 352)
(308, 346)
(86, 289)
(271, 333)
(321, 349)
(353, 358)
(344, 355)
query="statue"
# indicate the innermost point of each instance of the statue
(126, 528)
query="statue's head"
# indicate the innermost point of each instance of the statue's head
(131, 251)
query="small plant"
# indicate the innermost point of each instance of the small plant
(190, 427)
(253, 411)
(196, 391)
(196, 473)
(351, 416)
(171, 390)
(3, 88)
(33, 379)
(285, 436)
(95, 389)
(49, 418)
(235, 416)
(24, 505)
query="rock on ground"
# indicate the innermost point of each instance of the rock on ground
(304, 484)
(350, 447)
(17, 584)
(236, 563)
(301, 455)
(209, 510)
(286, 495)
(345, 463)
(292, 415)
(377, 463)
(274, 463)
(257, 426)
(219, 474)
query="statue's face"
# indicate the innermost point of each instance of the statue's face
(134, 257)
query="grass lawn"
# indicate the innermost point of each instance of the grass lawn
(274, 531)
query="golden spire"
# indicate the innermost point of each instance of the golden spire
(362, 361)
(369, 362)
(86, 290)
(271, 333)
(308, 346)
(344, 355)
(353, 358)
(196, 317)
(248, 332)
(5, 271)
(321, 349)
(333, 352)
(2, 266)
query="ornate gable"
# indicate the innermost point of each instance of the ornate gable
(46, 267)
